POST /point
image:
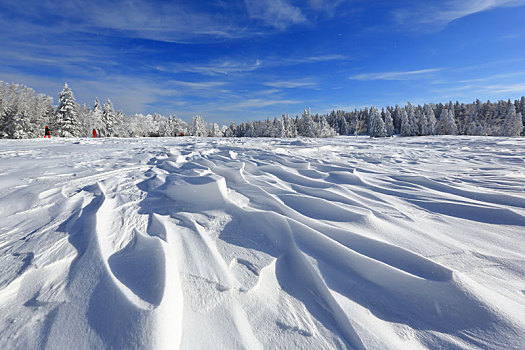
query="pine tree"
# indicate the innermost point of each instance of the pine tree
(513, 124)
(389, 123)
(307, 125)
(397, 116)
(278, 126)
(408, 125)
(290, 127)
(97, 115)
(431, 120)
(412, 120)
(475, 125)
(85, 118)
(377, 125)
(325, 130)
(522, 111)
(422, 123)
(66, 115)
(447, 123)
(108, 119)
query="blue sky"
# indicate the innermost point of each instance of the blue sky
(248, 59)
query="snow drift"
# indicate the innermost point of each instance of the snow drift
(248, 243)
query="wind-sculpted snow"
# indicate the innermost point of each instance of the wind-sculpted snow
(262, 243)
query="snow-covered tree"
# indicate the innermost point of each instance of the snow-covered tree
(307, 125)
(85, 118)
(198, 126)
(23, 112)
(278, 127)
(447, 123)
(66, 115)
(214, 130)
(97, 116)
(474, 126)
(19, 125)
(421, 120)
(430, 121)
(290, 127)
(340, 124)
(513, 124)
(108, 120)
(397, 116)
(408, 123)
(389, 123)
(377, 125)
(324, 129)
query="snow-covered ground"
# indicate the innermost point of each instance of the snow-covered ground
(262, 243)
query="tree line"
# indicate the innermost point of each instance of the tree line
(24, 113)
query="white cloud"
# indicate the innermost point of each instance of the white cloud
(198, 85)
(291, 84)
(256, 103)
(407, 75)
(497, 77)
(224, 67)
(230, 66)
(173, 21)
(327, 6)
(276, 13)
(511, 88)
(439, 14)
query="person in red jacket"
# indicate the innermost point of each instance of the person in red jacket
(47, 133)
(94, 133)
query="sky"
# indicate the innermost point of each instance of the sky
(234, 61)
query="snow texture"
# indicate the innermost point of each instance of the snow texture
(192, 243)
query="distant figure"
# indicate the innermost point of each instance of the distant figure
(47, 133)
(94, 133)
(181, 134)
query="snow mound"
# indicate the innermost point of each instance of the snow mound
(204, 192)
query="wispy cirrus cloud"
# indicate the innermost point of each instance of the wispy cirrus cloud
(174, 21)
(494, 77)
(257, 103)
(327, 7)
(396, 75)
(276, 13)
(291, 84)
(230, 66)
(198, 85)
(518, 88)
(437, 14)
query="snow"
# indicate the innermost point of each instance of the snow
(195, 243)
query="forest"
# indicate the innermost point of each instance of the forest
(24, 113)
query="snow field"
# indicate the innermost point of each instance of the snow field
(262, 243)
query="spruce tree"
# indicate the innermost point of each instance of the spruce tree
(422, 123)
(377, 125)
(108, 119)
(307, 126)
(408, 124)
(389, 123)
(97, 116)
(448, 123)
(66, 114)
(513, 124)
(325, 130)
